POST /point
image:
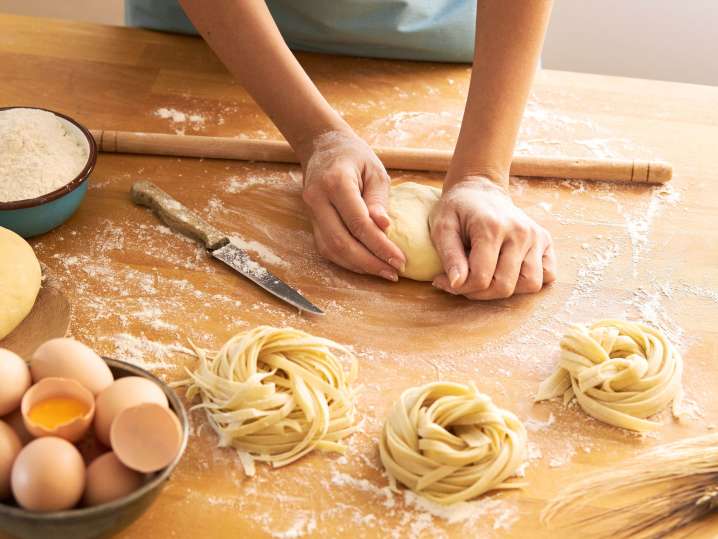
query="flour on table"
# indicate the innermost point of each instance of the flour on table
(273, 179)
(535, 425)
(179, 120)
(39, 153)
(534, 451)
(502, 512)
(418, 513)
(143, 352)
(399, 128)
(638, 225)
(563, 456)
(303, 525)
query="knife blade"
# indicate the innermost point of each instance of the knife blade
(238, 259)
(180, 219)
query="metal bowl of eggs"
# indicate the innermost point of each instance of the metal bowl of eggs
(46, 159)
(90, 446)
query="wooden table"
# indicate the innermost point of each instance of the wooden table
(140, 292)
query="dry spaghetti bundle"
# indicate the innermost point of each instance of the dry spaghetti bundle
(275, 394)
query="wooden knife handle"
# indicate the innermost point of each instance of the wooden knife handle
(176, 216)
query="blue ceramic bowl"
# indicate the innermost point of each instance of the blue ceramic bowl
(35, 216)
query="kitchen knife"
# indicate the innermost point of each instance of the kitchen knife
(182, 220)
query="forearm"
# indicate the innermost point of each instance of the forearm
(509, 36)
(245, 38)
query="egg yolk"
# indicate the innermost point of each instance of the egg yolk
(52, 413)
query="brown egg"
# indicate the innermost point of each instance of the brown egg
(9, 448)
(147, 437)
(15, 378)
(68, 358)
(48, 475)
(108, 479)
(58, 407)
(121, 394)
(18, 425)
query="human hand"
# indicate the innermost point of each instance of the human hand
(489, 248)
(346, 189)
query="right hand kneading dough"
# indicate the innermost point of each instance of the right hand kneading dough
(20, 279)
(409, 207)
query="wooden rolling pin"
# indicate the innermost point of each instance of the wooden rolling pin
(613, 170)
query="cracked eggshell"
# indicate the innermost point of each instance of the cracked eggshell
(49, 388)
(146, 438)
(124, 393)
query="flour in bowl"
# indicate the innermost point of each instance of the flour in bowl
(39, 153)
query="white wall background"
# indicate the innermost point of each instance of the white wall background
(655, 39)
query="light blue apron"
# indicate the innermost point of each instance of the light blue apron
(434, 30)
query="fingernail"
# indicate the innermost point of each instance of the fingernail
(454, 276)
(389, 275)
(396, 263)
(439, 287)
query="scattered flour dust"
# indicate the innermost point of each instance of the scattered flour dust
(534, 451)
(638, 225)
(262, 179)
(502, 513)
(401, 128)
(144, 352)
(180, 120)
(146, 327)
(561, 460)
(384, 493)
(580, 135)
(303, 525)
(534, 425)
(418, 513)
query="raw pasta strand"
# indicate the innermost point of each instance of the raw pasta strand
(619, 372)
(275, 394)
(450, 443)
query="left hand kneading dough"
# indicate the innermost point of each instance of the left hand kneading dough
(409, 207)
(20, 279)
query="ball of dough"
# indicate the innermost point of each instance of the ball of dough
(449, 443)
(409, 207)
(619, 372)
(20, 278)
